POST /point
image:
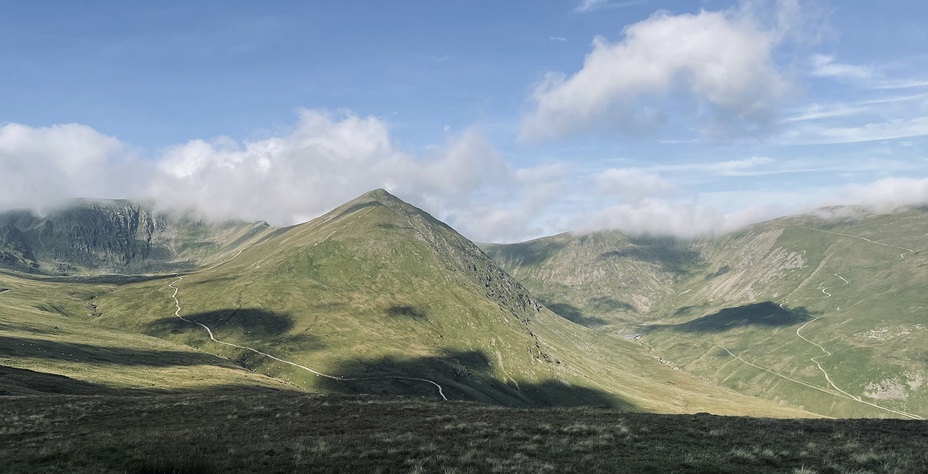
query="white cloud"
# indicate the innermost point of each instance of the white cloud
(823, 111)
(587, 6)
(703, 215)
(721, 168)
(633, 184)
(43, 166)
(884, 195)
(323, 161)
(326, 159)
(873, 77)
(825, 66)
(671, 218)
(722, 60)
(888, 130)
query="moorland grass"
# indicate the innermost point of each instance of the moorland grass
(270, 431)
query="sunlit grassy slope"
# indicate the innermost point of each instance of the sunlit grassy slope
(728, 309)
(377, 288)
(49, 344)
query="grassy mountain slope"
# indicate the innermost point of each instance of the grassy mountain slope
(599, 279)
(94, 237)
(378, 289)
(49, 344)
(728, 309)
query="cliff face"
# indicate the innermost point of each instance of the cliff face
(107, 237)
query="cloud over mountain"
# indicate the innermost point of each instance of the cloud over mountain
(327, 158)
(715, 68)
(324, 160)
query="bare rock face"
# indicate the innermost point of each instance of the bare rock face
(104, 237)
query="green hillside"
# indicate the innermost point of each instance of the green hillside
(378, 297)
(50, 344)
(769, 311)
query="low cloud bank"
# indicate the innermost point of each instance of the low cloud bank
(323, 161)
(326, 159)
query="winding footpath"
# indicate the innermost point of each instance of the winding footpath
(830, 382)
(825, 351)
(902, 255)
(213, 338)
(843, 394)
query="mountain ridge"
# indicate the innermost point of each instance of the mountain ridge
(793, 301)
(115, 236)
(379, 294)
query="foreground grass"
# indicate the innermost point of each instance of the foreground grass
(270, 431)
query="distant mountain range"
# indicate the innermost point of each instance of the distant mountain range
(379, 297)
(768, 311)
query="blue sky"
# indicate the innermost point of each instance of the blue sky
(509, 120)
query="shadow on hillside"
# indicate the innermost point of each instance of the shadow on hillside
(766, 314)
(605, 303)
(406, 311)
(463, 375)
(684, 310)
(248, 324)
(17, 382)
(574, 314)
(25, 328)
(210, 281)
(355, 208)
(253, 321)
(95, 279)
(671, 255)
(22, 347)
(528, 254)
(14, 381)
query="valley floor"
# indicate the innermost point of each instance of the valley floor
(280, 431)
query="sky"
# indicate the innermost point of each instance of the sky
(507, 120)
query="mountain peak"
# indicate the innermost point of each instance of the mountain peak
(381, 195)
(378, 193)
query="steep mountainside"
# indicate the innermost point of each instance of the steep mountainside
(114, 237)
(828, 314)
(599, 279)
(379, 297)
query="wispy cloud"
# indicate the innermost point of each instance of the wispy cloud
(872, 76)
(586, 6)
(825, 66)
(881, 111)
(719, 168)
(557, 39)
(873, 131)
